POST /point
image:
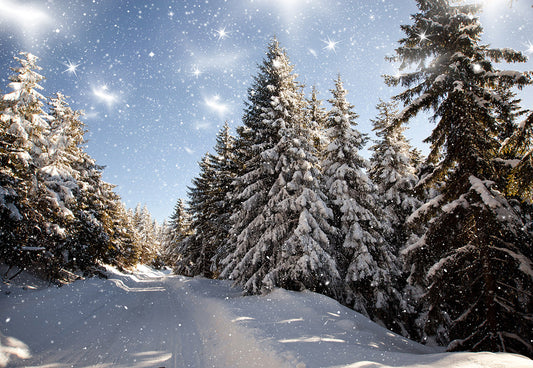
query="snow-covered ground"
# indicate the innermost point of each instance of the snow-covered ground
(154, 319)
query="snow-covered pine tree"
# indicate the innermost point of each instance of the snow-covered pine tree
(225, 168)
(317, 117)
(392, 171)
(98, 229)
(280, 229)
(475, 260)
(210, 209)
(58, 178)
(23, 125)
(195, 251)
(519, 149)
(102, 231)
(56, 212)
(146, 234)
(177, 230)
(368, 263)
(124, 248)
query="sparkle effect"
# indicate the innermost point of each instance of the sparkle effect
(222, 33)
(71, 67)
(331, 45)
(423, 36)
(216, 105)
(196, 72)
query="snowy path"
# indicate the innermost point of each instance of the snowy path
(151, 319)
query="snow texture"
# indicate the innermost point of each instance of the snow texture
(153, 319)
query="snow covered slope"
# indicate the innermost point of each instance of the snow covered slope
(153, 319)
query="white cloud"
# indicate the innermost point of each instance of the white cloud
(202, 124)
(214, 103)
(103, 94)
(219, 61)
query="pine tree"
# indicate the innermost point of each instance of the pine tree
(123, 248)
(177, 230)
(146, 229)
(23, 125)
(210, 210)
(58, 176)
(367, 261)
(317, 118)
(518, 149)
(56, 212)
(195, 251)
(280, 230)
(226, 169)
(392, 170)
(475, 259)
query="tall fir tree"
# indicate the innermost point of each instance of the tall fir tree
(195, 251)
(392, 170)
(23, 125)
(123, 247)
(177, 230)
(59, 191)
(226, 169)
(146, 229)
(518, 150)
(210, 209)
(317, 117)
(280, 229)
(368, 262)
(475, 260)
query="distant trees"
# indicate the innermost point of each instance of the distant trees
(56, 213)
(177, 230)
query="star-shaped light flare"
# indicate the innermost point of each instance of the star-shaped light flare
(222, 33)
(196, 72)
(330, 45)
(423, 36)
(71, 67)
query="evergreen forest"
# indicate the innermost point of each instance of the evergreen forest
(438, 249)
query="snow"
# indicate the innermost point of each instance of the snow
(155, 319)
(525, 264)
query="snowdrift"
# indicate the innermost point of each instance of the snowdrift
(154, 319)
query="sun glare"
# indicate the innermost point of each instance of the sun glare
(26, 19)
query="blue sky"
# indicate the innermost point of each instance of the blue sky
(157, 79)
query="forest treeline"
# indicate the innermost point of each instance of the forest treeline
(58, 218)
(437, 248)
